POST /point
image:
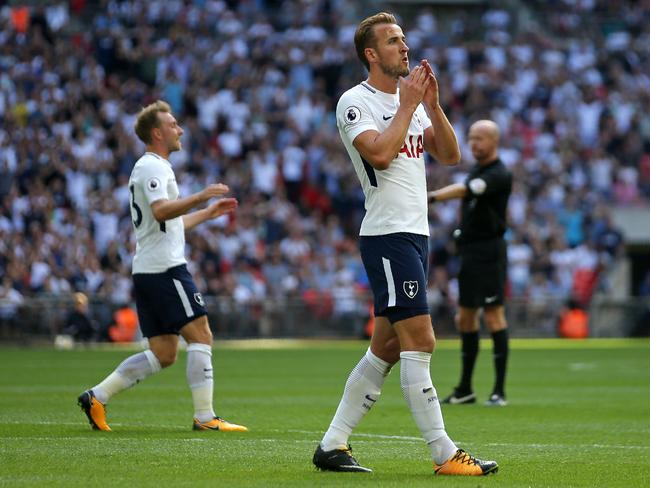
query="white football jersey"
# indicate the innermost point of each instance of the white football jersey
(159, 246)
(396, 198)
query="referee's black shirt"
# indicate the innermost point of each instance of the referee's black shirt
(485, 204)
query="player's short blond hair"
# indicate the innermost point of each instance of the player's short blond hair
(148, 119)
(364, 36)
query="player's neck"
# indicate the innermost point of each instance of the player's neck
(382, 82)
(160, 151)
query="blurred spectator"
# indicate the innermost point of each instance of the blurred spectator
(79, 324)
(125, 326)
(644, 287)
(257, 90)
(10, 302)
(574, 322)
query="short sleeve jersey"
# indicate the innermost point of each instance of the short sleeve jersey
(484, 208)
(159, 245)
(395, 198)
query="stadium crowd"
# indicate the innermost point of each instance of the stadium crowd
(255, 84)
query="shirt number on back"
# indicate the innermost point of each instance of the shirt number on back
(138, 213)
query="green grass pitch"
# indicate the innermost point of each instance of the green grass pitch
(579, 416)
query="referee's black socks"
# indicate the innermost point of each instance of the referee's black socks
(500, 352)
(469, 352)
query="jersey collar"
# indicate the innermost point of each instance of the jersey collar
(159, 157)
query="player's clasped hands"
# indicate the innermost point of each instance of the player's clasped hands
(431, 96)
(414, 86)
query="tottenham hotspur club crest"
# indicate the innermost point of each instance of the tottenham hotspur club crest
(410, 288)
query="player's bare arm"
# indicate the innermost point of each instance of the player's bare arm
(380, 148)
(170, 209)
(440, 139)
(212, 211)
(457, 190)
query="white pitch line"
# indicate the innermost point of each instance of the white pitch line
(373, 436)
(140, 439)
(311, 441)
(566, 446)
(381, 437)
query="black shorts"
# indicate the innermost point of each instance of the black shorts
(396, 265)
(166, 301)
(482, 275)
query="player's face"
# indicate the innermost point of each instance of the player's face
(392, 51)
(171, 131)
(482, 143)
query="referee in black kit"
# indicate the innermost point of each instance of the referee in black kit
(483, 258)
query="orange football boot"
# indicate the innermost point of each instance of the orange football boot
(217, 423)
(464, 464)
(94, 410)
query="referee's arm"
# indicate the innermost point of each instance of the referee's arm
(457, 190)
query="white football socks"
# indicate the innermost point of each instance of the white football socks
(199, 377)
(422, 399)
(362, 390)
(130, 371)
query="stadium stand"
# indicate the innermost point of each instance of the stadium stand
(254, 84)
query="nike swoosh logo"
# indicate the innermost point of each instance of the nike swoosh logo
(387, 118)
(456, 400)
(368, 397)
(426, 390)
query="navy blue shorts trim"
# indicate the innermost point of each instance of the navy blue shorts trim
(397, 266)
(166, 301)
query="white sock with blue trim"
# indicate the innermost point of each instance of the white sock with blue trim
(422, 399)
(200, 379)
(362, 390)
(130, 371)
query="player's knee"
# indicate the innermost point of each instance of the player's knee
(467, 320)
(425, 343)
(494, 320)
(198, 331)
(431, 343)
(204, 337)
(389, 350)
(166, 358)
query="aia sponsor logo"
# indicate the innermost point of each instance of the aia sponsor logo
(413, 147)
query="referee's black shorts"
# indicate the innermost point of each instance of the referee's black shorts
(482, 275)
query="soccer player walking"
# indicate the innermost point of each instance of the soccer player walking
(482, 276)
(386, 123)
(167, 300)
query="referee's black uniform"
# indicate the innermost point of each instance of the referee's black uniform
(480, 242)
